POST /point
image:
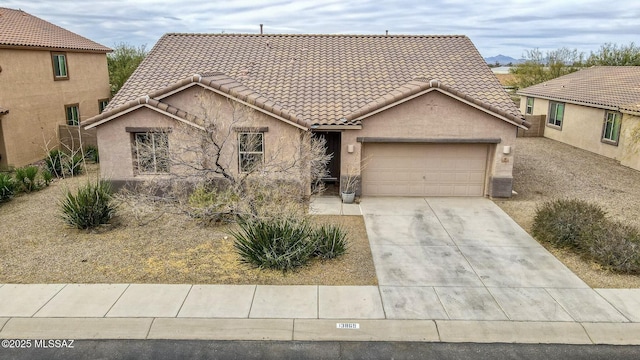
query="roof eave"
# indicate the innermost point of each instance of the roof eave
(51, 48)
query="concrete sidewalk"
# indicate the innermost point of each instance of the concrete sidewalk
(435, 285)
(249, 312)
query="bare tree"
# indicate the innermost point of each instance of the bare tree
(234, 163)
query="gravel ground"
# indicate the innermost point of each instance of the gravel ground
(545, 169)
(37, 247)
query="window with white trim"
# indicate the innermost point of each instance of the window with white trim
(73, 114)
(59, 62)
(250, 151)
(556, 114)
(529, 108)
(151, 150)
(611, 128)
(102, 103)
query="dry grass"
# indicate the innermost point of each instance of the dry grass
(37, 247)
(546, 169)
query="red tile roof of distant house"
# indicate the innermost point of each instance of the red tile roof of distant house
(610, 87)
(20, 29)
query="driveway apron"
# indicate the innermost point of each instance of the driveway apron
(465, 259)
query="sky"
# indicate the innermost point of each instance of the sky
(507, 27)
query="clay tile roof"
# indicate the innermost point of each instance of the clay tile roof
(19, 29)
(611, 87)
(317, 79)
(3, 110)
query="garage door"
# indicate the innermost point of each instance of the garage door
(402, 169)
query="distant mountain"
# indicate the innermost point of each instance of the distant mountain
(503, 60)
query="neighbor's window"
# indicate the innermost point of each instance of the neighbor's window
(250, 151)
(556, 114)
(102, 103)
(529, 109)
(611, 131)
(59, 61)
(73, 114)
(152, 152)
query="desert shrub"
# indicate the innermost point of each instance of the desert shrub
(91, 154)
(7, 187)
(274, 243)
(212, 205)
(615, 246)
(61, 164)
(27, 178)
(74, 164)
(46, 176)
(91, 205)
(53, 162)
(330, 240)
(563, 222)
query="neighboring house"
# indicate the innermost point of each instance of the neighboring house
(49, 78)
(425, 114)
(595, 109)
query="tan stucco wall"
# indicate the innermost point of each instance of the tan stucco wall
(630, 141)
(36, 102)
(281, 140)
(435, 116)
(582, 128)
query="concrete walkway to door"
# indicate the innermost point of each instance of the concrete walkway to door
(465, 259)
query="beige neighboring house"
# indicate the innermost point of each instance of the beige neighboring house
(49, 78)
(425, 113)
(595, 109)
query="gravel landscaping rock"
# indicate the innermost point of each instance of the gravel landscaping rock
(546, 169)
(37, 247)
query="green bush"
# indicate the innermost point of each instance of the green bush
(54, 161)
(615, 246)
(27, 178)
(275, 244)
(563, 222)
(7, 187)
(74, 164)
(89, 207)
(91, 154)
(61, 164)
(331, 241)
(46, 176)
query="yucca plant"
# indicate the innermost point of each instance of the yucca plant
(90, 206)
(7, 187)
(330, 240)
(274, 243)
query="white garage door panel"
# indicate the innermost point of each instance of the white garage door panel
(397, 169)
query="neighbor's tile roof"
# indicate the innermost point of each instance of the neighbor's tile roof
(3, 110)
(611, 87)
(17, 28)
(318, 79)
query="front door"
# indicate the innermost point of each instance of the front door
(333, 148)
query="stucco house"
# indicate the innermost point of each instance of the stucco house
(424, 114)
(50, 79)
(595, 109)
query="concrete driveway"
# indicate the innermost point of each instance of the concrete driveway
(465, 259)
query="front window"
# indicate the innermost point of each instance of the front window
(529, 109)
(556, 114)
(73, 114)
(611, 130)
(102, 103)
(152, 152)
(59, 61)
(250, 151)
